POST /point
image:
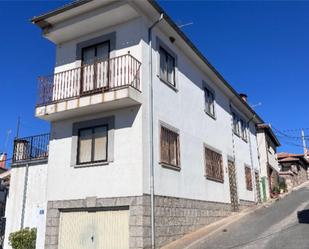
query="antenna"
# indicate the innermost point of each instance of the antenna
(7, 140)
(186, 24)
(256, 105)
(18, 126)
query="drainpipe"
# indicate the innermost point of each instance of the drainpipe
(24, 197)
(151, 104)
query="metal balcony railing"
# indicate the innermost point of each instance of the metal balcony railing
(31, 148)
(102, 76)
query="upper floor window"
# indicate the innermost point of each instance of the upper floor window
(92, 145)
(213, 165)
(169, 147)
(209, 102)
(95, 53)
(167, 67)
(243, 126)
(236, 127)
(248, 177)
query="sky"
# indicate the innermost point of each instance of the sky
(260, 48)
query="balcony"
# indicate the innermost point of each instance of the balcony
(31, 149)
(104, 85)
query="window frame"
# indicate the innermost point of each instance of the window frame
(249, 183)
(243, 130)
(92, 161)
(212, 177)
(236, 124)
(86, 123)
(164, 163)
(167, 55)
(206, 90)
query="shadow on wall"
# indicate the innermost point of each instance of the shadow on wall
(303, 216)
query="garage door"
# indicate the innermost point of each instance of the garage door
(94, 230)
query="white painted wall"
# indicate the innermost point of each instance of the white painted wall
(122, 177)
(267, 157)
(184, 110)
(35, 208)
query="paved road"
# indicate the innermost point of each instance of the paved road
(283, 225)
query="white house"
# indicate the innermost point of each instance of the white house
(268, 143)
(147, 142)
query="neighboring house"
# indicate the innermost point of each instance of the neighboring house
(4, 188)
(129, 143)
(26, 201)
(267, 144)
(293, 167)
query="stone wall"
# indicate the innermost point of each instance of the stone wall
(174, 217)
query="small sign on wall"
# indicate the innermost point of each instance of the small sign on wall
(41, 212)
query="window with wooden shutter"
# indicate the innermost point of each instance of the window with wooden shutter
(169, 147)
(248, 176)
(213, 165)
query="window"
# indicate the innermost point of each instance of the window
(243, 126)
(92, 145)
(213, 165)
(248, 176)
(169, 147)
(209, 102)
(236, 128)
(167, 67)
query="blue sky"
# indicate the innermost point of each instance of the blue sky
(261, 48)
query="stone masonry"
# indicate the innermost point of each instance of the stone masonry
(174, 217)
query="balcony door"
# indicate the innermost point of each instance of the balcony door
(95, 68)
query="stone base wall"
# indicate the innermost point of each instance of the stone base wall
(245, 204)
(174, 217)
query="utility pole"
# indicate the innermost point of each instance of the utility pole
(304, 143)
(305, 148)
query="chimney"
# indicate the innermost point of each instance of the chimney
(3, 160)
(243, 96)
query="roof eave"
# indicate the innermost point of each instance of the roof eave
(42, 18)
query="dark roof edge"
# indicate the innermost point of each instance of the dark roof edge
(37, 19)
(202, 57)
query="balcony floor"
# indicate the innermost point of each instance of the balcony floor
(99, 102)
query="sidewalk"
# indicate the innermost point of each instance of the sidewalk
(197, 236)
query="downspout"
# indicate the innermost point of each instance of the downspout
(22, 221)
(151, 104)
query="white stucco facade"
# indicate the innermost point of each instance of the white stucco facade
(268, 159)
(35, 201)
(126, 172)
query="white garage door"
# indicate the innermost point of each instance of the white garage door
(94, 230)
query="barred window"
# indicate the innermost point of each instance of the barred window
(213, 165)
(248, 176)
(169, 147)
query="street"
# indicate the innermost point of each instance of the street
(284, 225)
